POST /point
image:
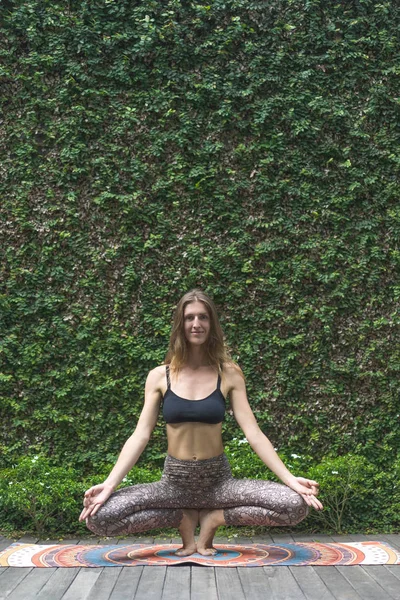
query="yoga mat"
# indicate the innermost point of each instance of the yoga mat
(229, 555)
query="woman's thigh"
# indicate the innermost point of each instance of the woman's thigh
(142, 496)
(256, 492)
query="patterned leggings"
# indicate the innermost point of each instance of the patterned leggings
(197, 484)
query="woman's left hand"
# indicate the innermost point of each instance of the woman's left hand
(308, 489)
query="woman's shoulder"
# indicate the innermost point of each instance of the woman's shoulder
(156, 375)
(232, 370)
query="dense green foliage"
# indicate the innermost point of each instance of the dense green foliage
(248, 148)
(357, 496)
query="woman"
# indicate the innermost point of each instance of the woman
(196, 486)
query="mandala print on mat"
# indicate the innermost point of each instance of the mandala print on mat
(228, 555)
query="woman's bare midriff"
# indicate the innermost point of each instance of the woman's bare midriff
(194, 441)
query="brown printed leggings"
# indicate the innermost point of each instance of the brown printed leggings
(201, 484)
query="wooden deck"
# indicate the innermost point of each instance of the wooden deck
(205, 583)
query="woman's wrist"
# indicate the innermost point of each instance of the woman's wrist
(288, 479)
(111, 485)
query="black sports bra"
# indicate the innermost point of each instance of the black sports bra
(180, 410)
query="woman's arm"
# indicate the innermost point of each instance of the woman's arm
(132, 449)
(139, 439)
(261, 444)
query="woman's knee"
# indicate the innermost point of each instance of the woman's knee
(299, 509)
(96, 525)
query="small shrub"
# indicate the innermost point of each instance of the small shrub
(35, 496)
(347, 492)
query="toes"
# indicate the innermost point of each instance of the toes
(208, 551)
(185, 551)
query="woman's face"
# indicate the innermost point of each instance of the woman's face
(196, 322)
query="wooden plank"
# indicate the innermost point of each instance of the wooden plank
(5, 543)
(28, 539)
(254, 582)
(31, 585)
(104, 584)
(365, 585)
(337, 584)
(58, 584)
(282, 538)
(68, 541)
(304, 537)
(322, 538)
(130, 541)
(91, 541)
(203, 583)
(262, 539)
(385, 578)
(82, 584)
(126, 584)
(228, 584)
(283, 584)
(11, 578)
(394, 569)
(393, 539)
(177, 583)
(313, 587)
(151, 583)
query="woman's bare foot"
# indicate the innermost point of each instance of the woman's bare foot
(187, 528)
(210, 520)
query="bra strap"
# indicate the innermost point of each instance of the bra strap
(219, 382)
(168, 379)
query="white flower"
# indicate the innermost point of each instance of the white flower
(335, 472)
(243, 441)
(295, 456)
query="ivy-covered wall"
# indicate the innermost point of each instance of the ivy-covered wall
(247, 147)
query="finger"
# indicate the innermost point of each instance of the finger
(96, 508)
(316, 503)
(83, 514)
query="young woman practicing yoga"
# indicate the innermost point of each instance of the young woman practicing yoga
(196, 486)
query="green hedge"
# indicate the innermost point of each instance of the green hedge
(250, 149)
(357, 496)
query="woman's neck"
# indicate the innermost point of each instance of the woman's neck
(197, 358)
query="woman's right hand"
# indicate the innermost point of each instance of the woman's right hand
(94, 498)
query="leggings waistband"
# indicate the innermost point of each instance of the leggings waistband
(193, 473)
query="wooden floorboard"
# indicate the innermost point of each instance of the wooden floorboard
(203, 579)
(254, 583)
(58, 584)
(229, 585)
(104, 584)
(369, 582)
(151, 583)
(365, 585)
(12, 577)
(177, 583)
(126, 584)
(82, 584)
(386, 579)
(33, 582)
(338, 585)
(311, 584)
(283, 585)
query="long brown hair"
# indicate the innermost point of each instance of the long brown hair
(178, 345)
